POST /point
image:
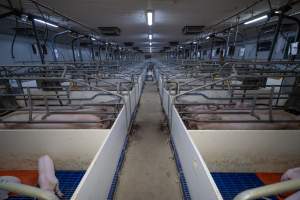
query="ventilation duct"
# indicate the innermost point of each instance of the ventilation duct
(192, 30)
(128, 44)
(110, 31)
(174, 43)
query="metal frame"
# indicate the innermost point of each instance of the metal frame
(56, 98)
(196, 79)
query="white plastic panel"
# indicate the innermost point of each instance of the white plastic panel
(97, 181)
(70, 149)
(248, 150)
(198, 177)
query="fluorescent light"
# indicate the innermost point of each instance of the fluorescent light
(43, 22)
(150, 50)
(149, 18)
(180, 47)
(207, 37)
(150, 43)
(194, 42)
(93, 39)
(150, 36)
(256, 19)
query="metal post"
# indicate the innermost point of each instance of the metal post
(30, 104)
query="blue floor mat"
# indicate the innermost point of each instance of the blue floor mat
(68, 182)
(231, 184)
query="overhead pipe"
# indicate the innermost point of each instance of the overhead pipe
(62, 15)
(242, 11)
(236, 30)
(41, 53)
(28, 191)
(73, 48)
(92, 50)
(211, 47)
(54, 42)
(227, 42)
(297, 39)
(99, 49)
(274, 41)
(282, 16)
(213, 40)
(236, 14)
(269, 190)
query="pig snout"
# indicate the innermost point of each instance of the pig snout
(47, 179)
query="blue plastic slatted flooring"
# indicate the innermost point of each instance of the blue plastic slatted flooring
(231, 184)
(68, 182)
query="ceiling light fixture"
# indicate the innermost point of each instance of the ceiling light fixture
(256, 19)
(150, 43)
(150, 17)
(207, 37)
(150, 36)
(93, 39)
(47, 23)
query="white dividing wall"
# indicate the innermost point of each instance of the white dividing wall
(200, 182)
(70, 149)
(97, 181)
(248, 150)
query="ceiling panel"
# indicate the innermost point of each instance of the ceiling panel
(129, 15)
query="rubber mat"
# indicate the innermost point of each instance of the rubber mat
(68, 181)
(231, 184)
(28, 177)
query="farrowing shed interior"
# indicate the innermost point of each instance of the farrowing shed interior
(149, 99)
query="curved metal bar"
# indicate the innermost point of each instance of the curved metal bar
(54, 40)
(28, 191)
(269, 190)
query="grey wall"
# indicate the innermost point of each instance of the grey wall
(23, 51)
(250, 49)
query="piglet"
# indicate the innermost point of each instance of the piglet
(292, 174)
(47, 179)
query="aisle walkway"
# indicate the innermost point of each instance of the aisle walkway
(149, 171)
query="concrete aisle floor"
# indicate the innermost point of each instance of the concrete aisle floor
(149, 170)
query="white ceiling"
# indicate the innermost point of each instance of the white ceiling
(170, 16)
